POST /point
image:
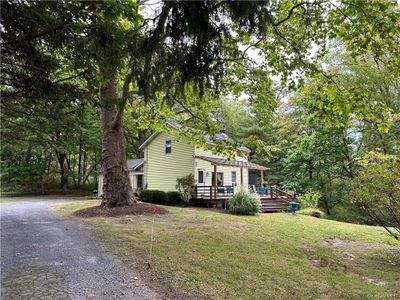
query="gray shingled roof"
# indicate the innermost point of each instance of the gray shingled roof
(231, 163)
(134, 163)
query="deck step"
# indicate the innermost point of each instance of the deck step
(276, 207)
(274, 204)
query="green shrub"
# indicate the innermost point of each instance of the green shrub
(185, 186)
(153, 196)
(314, 212)
(376, 190)
(243, 204)
(309, 199)
(173, 198)
(346, 212)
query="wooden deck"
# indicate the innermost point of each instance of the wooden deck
(271, 198)
(276, 200)
(211, 195)
(269, 204)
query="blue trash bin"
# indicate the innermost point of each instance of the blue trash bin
(294, 207)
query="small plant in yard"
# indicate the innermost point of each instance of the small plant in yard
(185, 186)
(309, 199)
(244, 204)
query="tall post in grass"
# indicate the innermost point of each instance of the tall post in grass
(153, 211)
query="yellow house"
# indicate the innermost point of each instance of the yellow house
(166, 158)
(217, 178)
(135, 167)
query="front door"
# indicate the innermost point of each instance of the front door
(220, 178)
(139, 181)
(252, 178)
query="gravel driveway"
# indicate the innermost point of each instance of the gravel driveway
(45, 257)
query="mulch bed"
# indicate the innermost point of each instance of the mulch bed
(136, 209)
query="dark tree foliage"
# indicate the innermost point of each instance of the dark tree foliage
(43, 103)
(111, 49)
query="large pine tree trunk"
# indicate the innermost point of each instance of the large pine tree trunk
(117, 190)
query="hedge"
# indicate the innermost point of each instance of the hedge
(174, 198)
(153, 196)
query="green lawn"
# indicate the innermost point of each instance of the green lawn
(271, 256)
(5, 201)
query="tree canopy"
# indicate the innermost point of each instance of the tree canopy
(187, 58)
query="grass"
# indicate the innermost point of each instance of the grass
(5, 201)
(271, 256)
(314, 212)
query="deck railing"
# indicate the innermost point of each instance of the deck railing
(271, 197)
(226, 192)
(272, 191)
(278, 193)
(212, 192)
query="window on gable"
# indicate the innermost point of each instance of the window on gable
(168, 146)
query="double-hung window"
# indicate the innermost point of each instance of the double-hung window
(168, 146)
(234, 180)
(200, 177)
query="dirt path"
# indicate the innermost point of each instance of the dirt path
(45, 257)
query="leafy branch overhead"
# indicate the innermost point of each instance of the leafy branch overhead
(188, 58)
(196, 43)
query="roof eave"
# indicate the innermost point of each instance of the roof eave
(154, 134)
(137, 166)
(233, 163)
(149, 139)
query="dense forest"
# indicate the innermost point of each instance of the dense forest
(323, 120)
(59, 147)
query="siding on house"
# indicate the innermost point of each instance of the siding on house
(161, 170)
(132, 179)
(133, 176)
(226, 170)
